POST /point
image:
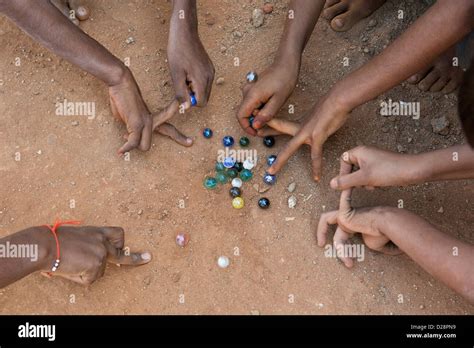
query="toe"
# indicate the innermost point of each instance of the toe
(332, 11)
(345, 21)
(440, 84)
(414, 79)
(429, 80)
(330, 3)
(451, 86)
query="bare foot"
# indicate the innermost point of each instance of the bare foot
(441, 76)
(75, 10)
(343, 14)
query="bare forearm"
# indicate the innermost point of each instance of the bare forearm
(44, 23)
(184, 16)
(443, 25)
(24, 252)
(302, 17)
(444, 257)
(453, 163)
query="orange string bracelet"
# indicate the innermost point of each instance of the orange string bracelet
(53, 229)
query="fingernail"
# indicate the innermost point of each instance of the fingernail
(333, 183)
(316, 178)
(189, 140)
(146, 256)
(338, 22)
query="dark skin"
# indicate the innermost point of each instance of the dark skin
(376, 77)
(44, 23)
(85, 252)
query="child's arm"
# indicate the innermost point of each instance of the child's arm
(444, 24)
(444, 257)
(385, 168)
(85, 250)
(275, 84)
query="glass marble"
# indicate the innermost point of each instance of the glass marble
(264, 203)
(229, 162)
(207, 133)
(269, 141)
(193, 99)
(228, 141)
(244, 141)
(223, 262)
(210, 183)
(239, 166)
(246, 175)
(237, 182)
(221, 177)
(182, 239)
(251, 76)
(248, 164)
(271, 159)
(269, 179)
(251, 119)
(238, 203)
(220, 167)
(232, 173)
(235, 192)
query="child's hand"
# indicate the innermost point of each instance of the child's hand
(127, 105)
(85, 251)
(376, 168)
(322, 121)
(264, 98)
(350, 221)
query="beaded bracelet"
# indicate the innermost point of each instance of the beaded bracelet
(53, 229)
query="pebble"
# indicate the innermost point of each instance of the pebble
(401, 148)
(441, 210)
(182, 239)
(75, 123)
(292, 202)
(440, 125)
(237, 34)
(372, 23)
(254, 312)
(267, 8)
(210, 20)
(130, 40)
(220, 81)
(291, 187)
(257, 18)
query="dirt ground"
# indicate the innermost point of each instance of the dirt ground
(279, 269)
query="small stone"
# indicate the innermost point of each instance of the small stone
(223, 262)
(366, 50)
(372, 23)
(257, 18)
(401, 148)
(237, 34)
(422, 307)
(292, 202)
(210, 20)
(267, 8)
(440, 125)
(39, 152)
(291, 187)
(75, 123)
(140, 212)
(441, 210)
(130, 40)
(147, 280)
(254, 312)
(220, 81)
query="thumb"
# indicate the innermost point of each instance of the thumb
(271, 108)
(181, 89)
(125, 257)
(316, 159)
(164, 115)
(344, 182)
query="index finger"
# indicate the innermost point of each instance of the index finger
(290, 148)
(125, 257)
(248, 105)
(164, 115)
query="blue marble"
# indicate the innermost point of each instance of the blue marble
(193, 99)
(269, 141)
(228, 141)
(229, 162)
(269, 179)
(264, 203)
(207, 132)
(271, 159)
(251, 76)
